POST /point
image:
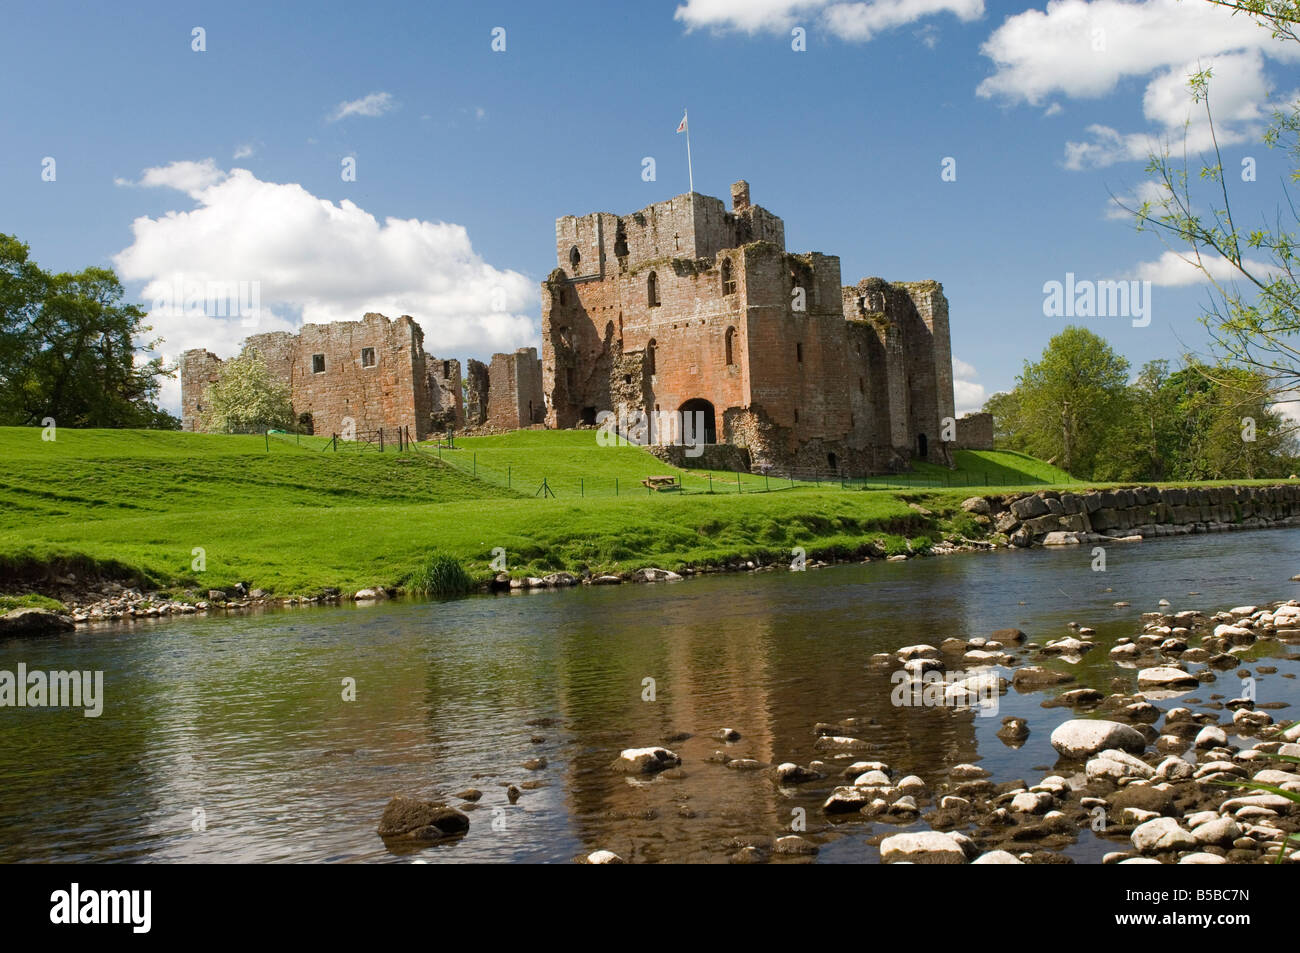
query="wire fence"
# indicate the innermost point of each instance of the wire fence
(512, 470)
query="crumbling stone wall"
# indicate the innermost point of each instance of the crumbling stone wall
(515, 397)
(199, 368)
(362, 374)
(443, 383)
(476, 396)
(374, 373)
(974, 432)
(1090, 516)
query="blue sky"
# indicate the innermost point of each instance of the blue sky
(473, 153)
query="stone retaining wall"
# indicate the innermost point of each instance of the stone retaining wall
(1144, 511)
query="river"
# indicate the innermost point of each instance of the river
(229, 739)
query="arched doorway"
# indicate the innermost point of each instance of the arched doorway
(690, 429)
(922, 445)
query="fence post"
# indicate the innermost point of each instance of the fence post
(334, 439)
(738, 489)
(381, 439)
(710, 476)
(267, 435)
(767, 484)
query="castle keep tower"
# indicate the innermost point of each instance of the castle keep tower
(686, 306)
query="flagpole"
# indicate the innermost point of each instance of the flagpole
(690, 173)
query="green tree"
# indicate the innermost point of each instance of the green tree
(1007, 428)
(1071, 399)
(68, 349)
(245, 398)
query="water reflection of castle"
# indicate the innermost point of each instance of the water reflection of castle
(765, 669)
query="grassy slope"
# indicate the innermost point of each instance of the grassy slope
(299, 517)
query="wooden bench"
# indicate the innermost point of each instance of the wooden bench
(658, 483)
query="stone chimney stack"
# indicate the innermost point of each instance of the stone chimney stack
(739, 196)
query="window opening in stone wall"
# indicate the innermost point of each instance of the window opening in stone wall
(367, 357)
(574, 258)
(798, 353)
(728, 282)
(650, 357)
(731, 337)
(652, 290)
(318, 363)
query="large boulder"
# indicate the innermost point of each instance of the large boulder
(645, 760)
(410, 819)
(1080, 738)
(927, 847)
(18, 623)
(1162, 834)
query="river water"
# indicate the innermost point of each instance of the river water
(230, 740)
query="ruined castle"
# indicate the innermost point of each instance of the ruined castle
(362, 375)
(683, 308)
(686, 307)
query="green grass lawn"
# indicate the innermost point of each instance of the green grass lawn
(300, 516)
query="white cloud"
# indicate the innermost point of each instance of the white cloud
(243, 151)
(854, 21)
(373, 104)
(1238, 88)
(1177, 269)
(185, 176)
(1083, 50)
(967, 393)
(315, 261)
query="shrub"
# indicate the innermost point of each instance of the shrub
(441, 574)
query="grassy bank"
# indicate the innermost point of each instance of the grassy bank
(297, 517)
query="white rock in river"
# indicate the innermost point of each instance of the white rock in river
(1113, 765)
(908, 652)
(927, 847)
(793, 844)
(1160, 835)
(1202, 858)
(1031, 803)
(604, 857)
(1211, 736)
(1221, 830)
(844, 800)
(1173, 769)
(1166, 677)
(872, 779)
(910, 783)
(645, 760)
(997, 857)
(1081, 737)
